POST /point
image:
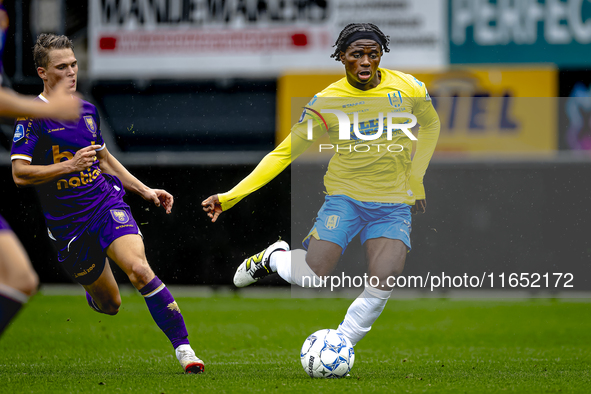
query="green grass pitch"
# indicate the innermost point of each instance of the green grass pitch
(57, 344)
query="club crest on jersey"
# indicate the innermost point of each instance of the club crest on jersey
(332, 221)
(19, 133)
(90, 125)
(120, 216)
(395, 99)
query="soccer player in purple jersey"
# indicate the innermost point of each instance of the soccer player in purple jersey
(18, 280)
(81, 187)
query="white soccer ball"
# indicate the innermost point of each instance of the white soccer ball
(327, 354)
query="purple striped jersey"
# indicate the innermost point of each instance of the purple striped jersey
(70, 202)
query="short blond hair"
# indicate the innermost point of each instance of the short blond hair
(47, 42)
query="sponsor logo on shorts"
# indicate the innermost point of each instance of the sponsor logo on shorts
(120, 216)
(86, 271)
(332, 221)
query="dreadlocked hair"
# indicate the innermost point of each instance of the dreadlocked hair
(354, 28)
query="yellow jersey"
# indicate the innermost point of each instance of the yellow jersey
(372, 159)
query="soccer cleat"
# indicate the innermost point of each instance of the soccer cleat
(256, 267)
(189, 361)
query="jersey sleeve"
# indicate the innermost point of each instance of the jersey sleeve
(268, 168)
(24, 140)
(311, 125)
(301, 138)
(428, 120)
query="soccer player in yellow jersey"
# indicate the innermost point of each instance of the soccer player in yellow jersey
(372, 184)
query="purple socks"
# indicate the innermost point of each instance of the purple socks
(165, 312)
(11, 301)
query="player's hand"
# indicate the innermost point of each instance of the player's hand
(63, 105)
(213, 207)
(419, 207)
(84, 158)
(160, 198)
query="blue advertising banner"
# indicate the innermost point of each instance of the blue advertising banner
(520, 31)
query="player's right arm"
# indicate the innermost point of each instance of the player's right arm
(268, 168)
(26, 174)
(63, 106)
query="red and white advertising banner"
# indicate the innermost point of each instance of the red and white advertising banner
(253, 38)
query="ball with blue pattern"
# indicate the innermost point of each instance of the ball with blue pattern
(327, 354)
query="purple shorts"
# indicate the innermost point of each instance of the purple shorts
(3, 224)
(83, 257)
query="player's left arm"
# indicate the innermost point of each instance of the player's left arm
(110, 165)
(428, 120)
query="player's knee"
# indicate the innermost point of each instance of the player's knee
(386, 274)
(141, 274)
(397, 270)
(388, 277)
(319, 266)
(110, 307)
(110, 310)
(319, 269)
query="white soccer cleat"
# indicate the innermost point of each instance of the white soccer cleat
(189, 361)
(256, 267)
